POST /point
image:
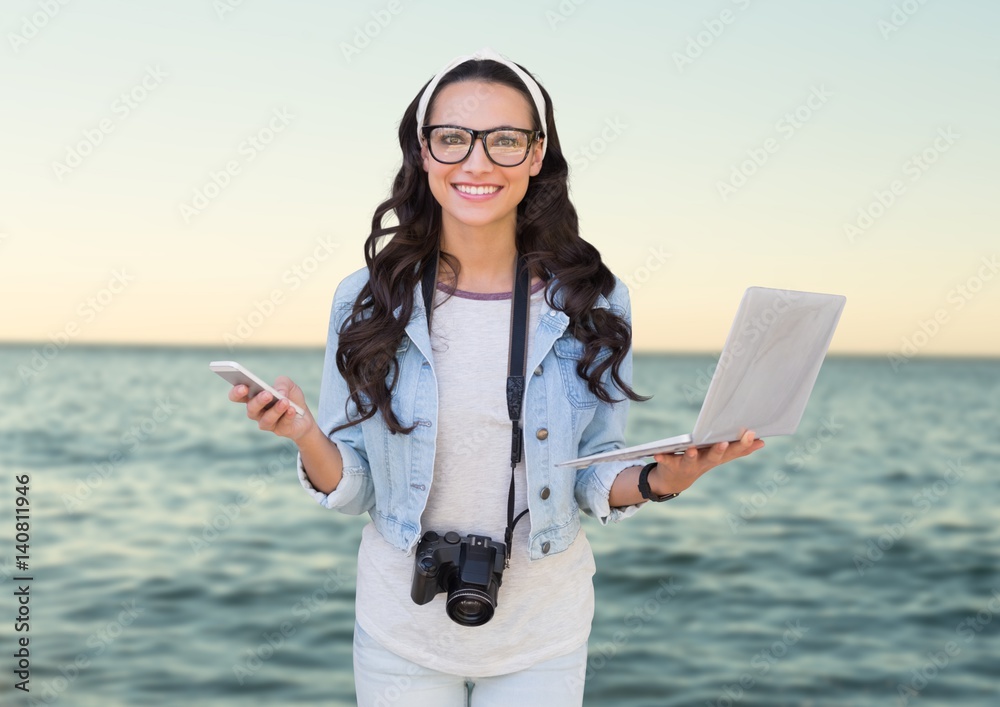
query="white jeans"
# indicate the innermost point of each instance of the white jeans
(384, 679)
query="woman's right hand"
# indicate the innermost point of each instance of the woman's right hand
(279, 418)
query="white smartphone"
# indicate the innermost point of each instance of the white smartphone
(238, 375)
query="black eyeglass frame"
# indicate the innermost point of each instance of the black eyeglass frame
(533, 135)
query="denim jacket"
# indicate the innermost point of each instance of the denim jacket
(389, 475)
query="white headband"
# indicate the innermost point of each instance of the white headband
(485, 53)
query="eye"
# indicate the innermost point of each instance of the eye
(451, 137)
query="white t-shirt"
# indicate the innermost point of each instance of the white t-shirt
(544, 608)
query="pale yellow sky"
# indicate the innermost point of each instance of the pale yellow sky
(797, 147)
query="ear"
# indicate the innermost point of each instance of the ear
(536, 159)
(425, 155)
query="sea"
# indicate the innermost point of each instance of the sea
(170, 556)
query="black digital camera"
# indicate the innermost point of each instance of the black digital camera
(470, 569)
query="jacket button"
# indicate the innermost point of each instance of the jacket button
(545, 493)
(538, 371)
(545, 548)
(542, 433)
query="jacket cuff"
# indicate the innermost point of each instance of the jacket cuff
(352, 482)
(599, 483)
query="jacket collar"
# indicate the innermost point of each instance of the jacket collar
(551, 324)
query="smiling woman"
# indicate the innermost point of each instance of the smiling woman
(429, 422)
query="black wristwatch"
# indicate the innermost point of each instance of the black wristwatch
(647, 492)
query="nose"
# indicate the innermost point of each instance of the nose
(477, 160)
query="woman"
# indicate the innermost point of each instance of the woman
(414, 425)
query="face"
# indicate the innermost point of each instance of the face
(480, 106)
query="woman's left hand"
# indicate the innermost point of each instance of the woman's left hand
(674, 473)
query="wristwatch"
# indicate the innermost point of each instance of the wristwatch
(647, 492)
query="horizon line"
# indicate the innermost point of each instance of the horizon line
(322, 347)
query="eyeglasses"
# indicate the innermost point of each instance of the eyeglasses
(506, 147)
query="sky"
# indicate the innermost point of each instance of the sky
(205, 171)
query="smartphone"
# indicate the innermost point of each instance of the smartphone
(238, 375)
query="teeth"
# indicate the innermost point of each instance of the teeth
(475, 190)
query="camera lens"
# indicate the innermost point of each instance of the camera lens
(470, 607)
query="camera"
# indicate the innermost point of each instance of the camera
(470, 569)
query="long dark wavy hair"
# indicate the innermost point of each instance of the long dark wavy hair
(547, 233)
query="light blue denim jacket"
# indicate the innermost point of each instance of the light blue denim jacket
(389, 475)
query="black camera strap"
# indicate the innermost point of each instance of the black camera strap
(516, 366)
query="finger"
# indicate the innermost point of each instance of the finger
(256, 406)
(238, 393)
(270, 418)
(716, 453)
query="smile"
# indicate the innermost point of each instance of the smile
(465, 189)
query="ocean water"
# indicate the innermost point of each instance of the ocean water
(176, 560)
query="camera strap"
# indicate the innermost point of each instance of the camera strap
(516, 365)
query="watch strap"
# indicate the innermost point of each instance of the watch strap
(646, 491)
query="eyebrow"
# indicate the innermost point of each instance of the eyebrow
(495, 127)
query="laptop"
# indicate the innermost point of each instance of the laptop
(764, 375)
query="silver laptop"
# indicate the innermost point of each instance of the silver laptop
(764, 375)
